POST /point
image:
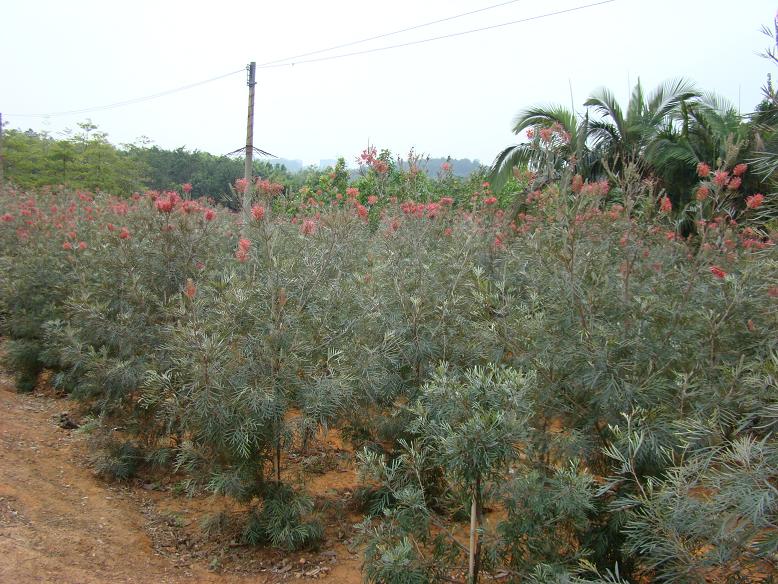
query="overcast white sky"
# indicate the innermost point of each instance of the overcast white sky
(453, 97)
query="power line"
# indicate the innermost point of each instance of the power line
(263, 65)
(388, 34)
(437, 38)
(288, 61)
(130, 101)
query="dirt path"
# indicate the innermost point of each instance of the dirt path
(58, 523)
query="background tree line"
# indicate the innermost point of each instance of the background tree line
(85, 159)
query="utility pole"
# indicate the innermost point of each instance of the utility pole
(1, 149)
(251, 68)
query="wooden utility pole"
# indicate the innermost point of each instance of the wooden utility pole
(252, 67)
(1, 149)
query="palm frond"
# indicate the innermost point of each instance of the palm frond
(637, 102)
(604, 102)
(666, 98)
(545, 116)
(506, 160)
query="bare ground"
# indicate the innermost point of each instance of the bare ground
(60, 523)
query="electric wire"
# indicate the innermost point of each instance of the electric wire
(266, 64)
(388, 34)
(289, 62)
(130, 101)
(437, 38)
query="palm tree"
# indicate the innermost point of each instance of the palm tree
(765, 119)
(571, 148)
(616, 138)
(644, 130)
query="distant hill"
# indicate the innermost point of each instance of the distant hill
(461, 167)
(291, 165)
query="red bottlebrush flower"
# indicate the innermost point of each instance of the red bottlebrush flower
(546, 134)
(445, 167)
(362, 211)
(734, 183)
(740, 169)
(490, 200)
(702, 193)
(270, 188)
(721, 177)
(200, 265)
(380, 167)
(352, 192)
(190, 207)
(395, 224)
(124, 233)
(615, 211)
(665, 206)
(718, 272)
(240, 185)
(703, 170)
(241, 255)
(209, 215)
(372, 200)
(187, 188)
(67, 246)
(165, 205)
(7, 217)
(111, 227)
(258, 212)
(244, 244)
(447, 232)
(755, 201)
(485, 185)
(308, 227)
(577, 183)
(772, 291)
(338, 196)
(190, 290)
(82, 245)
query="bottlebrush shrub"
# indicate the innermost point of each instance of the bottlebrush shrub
(254, 357)
(467, 425)
(35, 279)
(143, 251)
(223, 346)
(282, 521)
(425, 261)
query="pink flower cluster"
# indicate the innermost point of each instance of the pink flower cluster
(369, 157)
(168, 203)
(242, 253)
(258, 212)
(270, 188)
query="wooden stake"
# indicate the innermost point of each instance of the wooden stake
(473, 536)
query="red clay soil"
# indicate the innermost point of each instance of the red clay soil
(60, 523)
